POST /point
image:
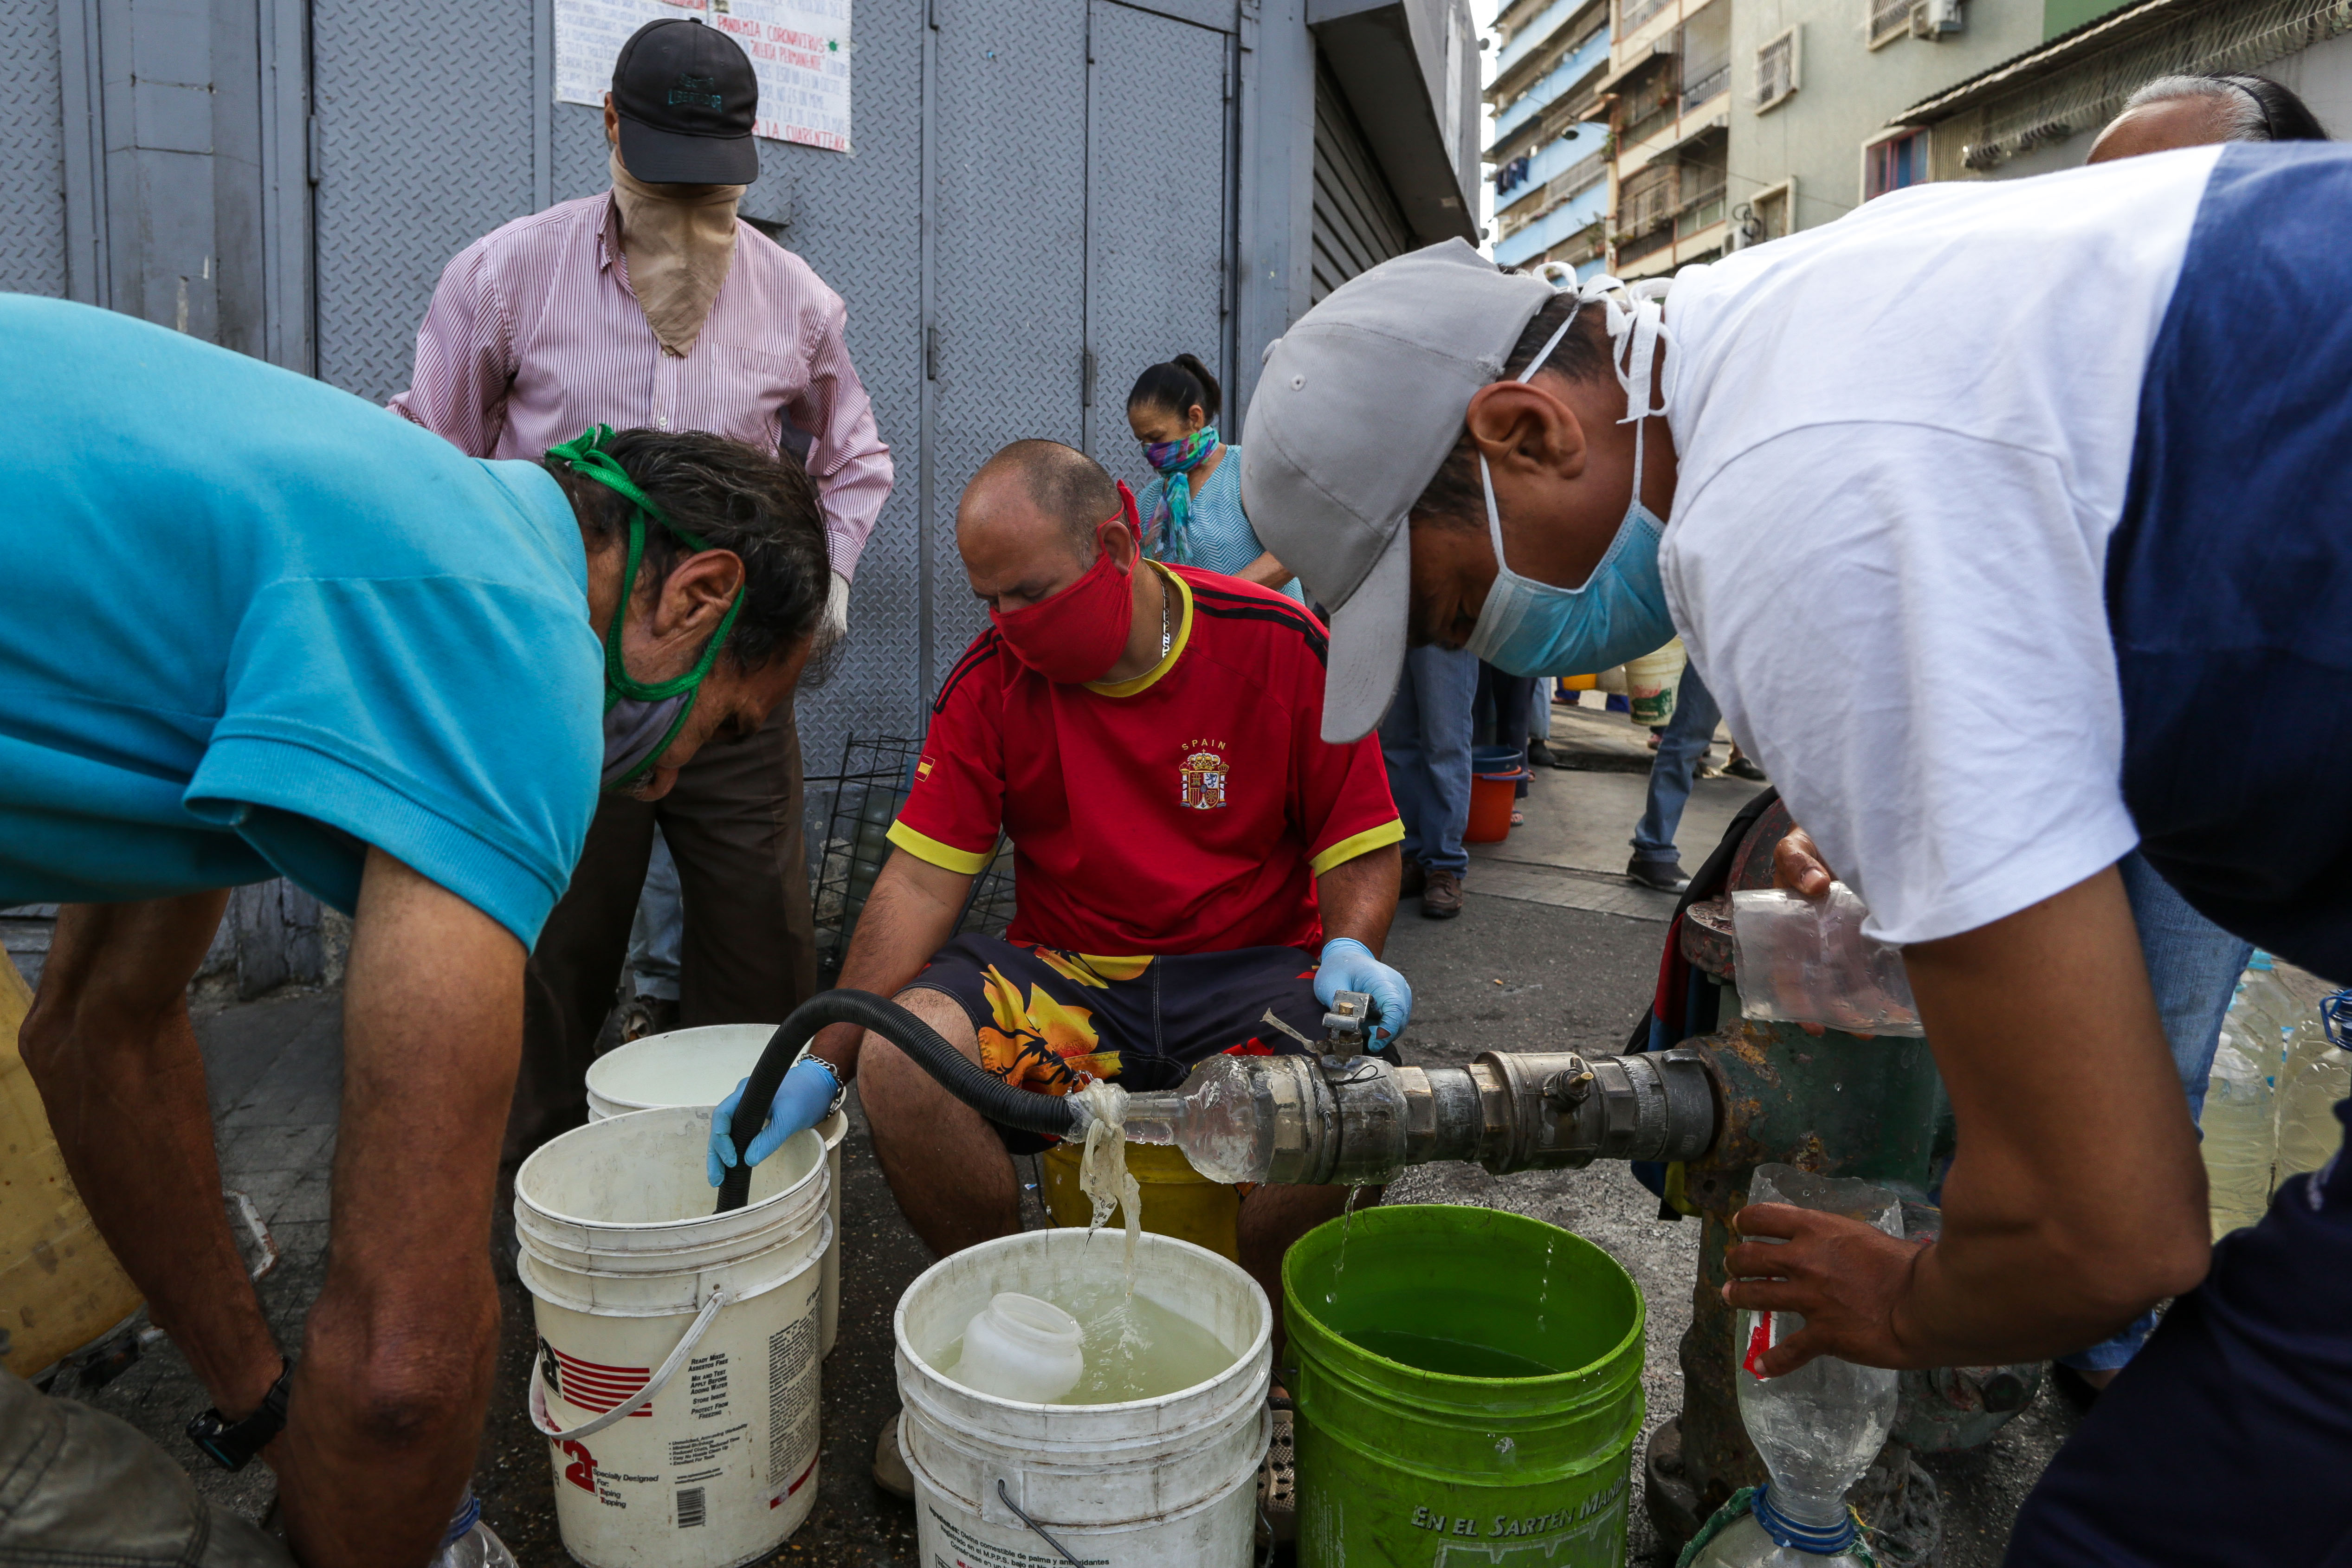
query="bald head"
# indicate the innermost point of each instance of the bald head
(1045, 485)
(1026, 525)
(2166, 124)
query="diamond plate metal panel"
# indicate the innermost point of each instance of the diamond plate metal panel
(424, 150)
(1157, 247)
(32, 150)
(1010, 246)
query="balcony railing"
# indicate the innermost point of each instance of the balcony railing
(1705, 81)
(1554, 82)
(1887, 18)
(1538, 30)
(1634, 247)
(1640, 11)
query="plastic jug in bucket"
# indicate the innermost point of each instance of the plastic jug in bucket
(677, 1377)
(1160, 1474)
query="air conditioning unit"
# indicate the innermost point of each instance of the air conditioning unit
(1934, 18)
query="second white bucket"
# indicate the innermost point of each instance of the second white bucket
(677, 1379)
(701, 1067)
(1168, 1482)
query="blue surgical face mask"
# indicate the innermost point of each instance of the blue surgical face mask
(1531, 628)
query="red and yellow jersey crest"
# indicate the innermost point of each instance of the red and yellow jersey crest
(1204, 781)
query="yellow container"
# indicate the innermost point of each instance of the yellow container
(1178, 1200)
(60, 1288)
(1579, 682)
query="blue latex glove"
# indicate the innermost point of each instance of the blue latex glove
(800, 1102)
(1349, 966)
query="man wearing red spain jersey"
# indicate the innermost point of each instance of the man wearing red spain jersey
(1189, 851)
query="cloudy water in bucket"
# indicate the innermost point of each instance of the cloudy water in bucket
(1134, 1347)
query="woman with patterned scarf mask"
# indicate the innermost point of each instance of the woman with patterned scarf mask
(1195, 516)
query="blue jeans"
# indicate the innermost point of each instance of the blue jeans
(1425, 740)
(2193, 967)
(659, 928)
(1681, 749)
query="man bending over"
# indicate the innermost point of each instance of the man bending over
(263, 629)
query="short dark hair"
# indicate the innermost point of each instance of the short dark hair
(1176, 385)
(1453, 496)
(1062, 482)
(761, 505)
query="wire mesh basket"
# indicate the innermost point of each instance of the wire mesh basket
(876, 773)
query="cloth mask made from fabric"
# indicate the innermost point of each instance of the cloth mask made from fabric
(1618, 612)
(1077, 635)
(680, 244)
(634, 709)
(1177, 459)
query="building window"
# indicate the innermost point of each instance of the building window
(1775, 212)
(1887, 20)
(1776, 70)
(1890, 164)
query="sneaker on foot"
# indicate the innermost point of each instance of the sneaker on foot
(1667, 876)
(1742, 766)
(890, 1472)
(1442, 898)
(643, 1016)
(1415, 878)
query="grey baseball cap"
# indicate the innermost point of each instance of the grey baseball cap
(1357, 407)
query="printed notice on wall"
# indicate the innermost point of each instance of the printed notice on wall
(799, 49)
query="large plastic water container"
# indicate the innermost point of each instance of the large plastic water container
(1168, 1482)
(676, 1379)
(701, 1067)
(1469, 1387)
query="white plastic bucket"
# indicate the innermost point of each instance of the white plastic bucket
(677, 1379)
(1653, 681)
(701, 1067)
(1168, 1482)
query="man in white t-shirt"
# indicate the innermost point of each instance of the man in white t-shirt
(1989, 503)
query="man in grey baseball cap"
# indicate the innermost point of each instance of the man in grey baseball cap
(1985, 499)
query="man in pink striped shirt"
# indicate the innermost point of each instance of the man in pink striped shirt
(653, 305)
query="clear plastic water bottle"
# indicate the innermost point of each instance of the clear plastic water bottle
(471, 1543)
(1818, 1428)
(2318, 1074)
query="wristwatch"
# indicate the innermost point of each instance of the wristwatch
(231, 1445)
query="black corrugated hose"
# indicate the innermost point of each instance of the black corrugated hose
(957, 1073)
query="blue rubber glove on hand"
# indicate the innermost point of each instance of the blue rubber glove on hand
(1349, 966)
(800, 1105)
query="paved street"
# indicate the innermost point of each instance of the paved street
(1554, 949)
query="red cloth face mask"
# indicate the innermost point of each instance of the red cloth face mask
(1077, 634)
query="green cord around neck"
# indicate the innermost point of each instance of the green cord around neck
(587, 456)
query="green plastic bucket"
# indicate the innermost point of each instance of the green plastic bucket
(1515, 1452)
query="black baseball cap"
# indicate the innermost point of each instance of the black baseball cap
(687, 98)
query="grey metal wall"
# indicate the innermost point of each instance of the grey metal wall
(32, 149)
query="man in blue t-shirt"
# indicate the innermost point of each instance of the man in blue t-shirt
(258, 627)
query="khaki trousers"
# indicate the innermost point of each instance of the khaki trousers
(79, 1489)
(733, 822)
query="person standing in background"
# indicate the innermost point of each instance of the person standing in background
(1425, 741)
(1681, 742)
(653, 304)
(1195, 516)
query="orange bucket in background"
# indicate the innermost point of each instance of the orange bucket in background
(1495, 775)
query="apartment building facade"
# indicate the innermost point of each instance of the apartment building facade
(1549, 157)
(2043, 109)
(1670, 100)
